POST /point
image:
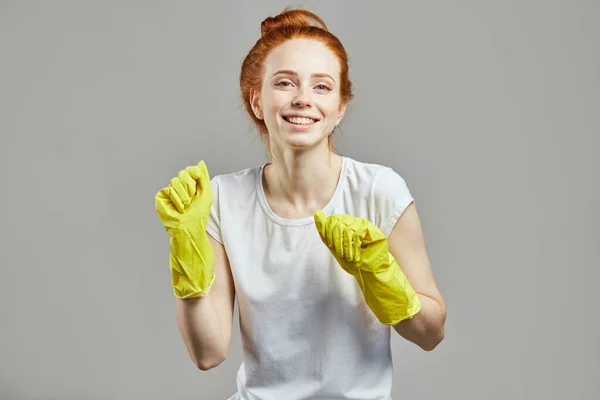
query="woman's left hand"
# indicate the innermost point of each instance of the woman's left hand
(356, 243)
(361, 249)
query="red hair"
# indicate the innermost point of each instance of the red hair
(290, 24)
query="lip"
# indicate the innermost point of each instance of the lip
(297, 127)
(301, 116)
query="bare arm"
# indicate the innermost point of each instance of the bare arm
(407, 245)
(205, 323)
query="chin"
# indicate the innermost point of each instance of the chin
(304, 140)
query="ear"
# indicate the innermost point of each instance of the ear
(340, 114)
(256, 104)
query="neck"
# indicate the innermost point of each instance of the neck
(304, 181)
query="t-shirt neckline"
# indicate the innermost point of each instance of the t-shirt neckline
(299, 221)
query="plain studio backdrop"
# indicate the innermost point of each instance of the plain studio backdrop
(490, 110)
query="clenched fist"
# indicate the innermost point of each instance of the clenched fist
(361, 249)
(184, 207)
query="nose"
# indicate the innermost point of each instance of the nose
(302, 98)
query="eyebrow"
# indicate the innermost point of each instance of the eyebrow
(290, 72)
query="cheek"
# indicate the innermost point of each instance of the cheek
(333, 109)
(276, 101)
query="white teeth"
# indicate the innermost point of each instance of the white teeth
(300, 120)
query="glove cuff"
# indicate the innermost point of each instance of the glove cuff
(388, 293)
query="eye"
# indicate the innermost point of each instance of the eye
(283, 84)
(322, 86)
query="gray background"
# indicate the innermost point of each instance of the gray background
(488, 109)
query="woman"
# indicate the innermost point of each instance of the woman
(323, 253)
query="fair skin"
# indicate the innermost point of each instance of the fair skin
(301, 79)
(205, 323)
(407, 244)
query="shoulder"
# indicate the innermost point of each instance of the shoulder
(385, 192)
(381, 181)
(238, 181)
(362, 171)
(230, 190)
(388, 184)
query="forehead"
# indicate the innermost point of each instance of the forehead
(304, 56)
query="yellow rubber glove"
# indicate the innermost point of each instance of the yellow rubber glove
(361, 249)
(183, 208)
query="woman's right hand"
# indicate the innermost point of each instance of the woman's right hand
(183, 207)
(187, 198)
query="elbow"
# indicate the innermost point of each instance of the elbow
(206, 364)
(210, 360)
(432, 341)
(436, 333)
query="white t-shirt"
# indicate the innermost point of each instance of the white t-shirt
(306, 330)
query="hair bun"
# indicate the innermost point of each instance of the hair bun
(291, 17)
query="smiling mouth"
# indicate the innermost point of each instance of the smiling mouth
(300, 120)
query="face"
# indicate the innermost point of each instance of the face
(300, 96)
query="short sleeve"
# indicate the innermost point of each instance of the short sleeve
(213, 225)
(390, 197)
